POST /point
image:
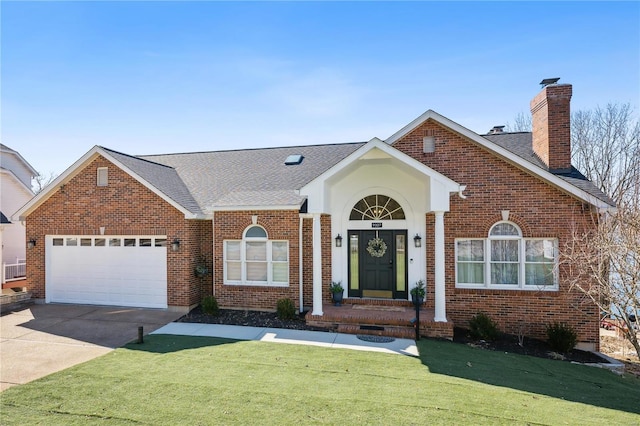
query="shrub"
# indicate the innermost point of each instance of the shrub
(483, 327)
(286, 309)
(210, 306)
(561, 337)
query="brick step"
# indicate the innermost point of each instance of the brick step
(399, 332)
(382, 320)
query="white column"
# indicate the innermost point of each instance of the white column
(440, 299)
(317, 266)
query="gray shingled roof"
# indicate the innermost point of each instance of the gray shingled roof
(204, 181)
(163, 178)
(252, 177)
(520, 144)
(3, 219)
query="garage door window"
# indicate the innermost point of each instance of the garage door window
(110, 242)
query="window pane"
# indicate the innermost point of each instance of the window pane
(281, 272)
(256, 232)
(232, 250)
(504, 229)
(58, 241)
(85, 242)
(471, 273)
(279, 251)
(540, 251)
(129, 242)
(114, 242)
(504, 250)
(100, 242)
(256, 250)
(72, 242)
(471, 250)
(504, 273)
(234, 271)
(161, 242)
(256, 271)
(145, 242)
(401, 262)
(353, 253)
(377, 207)
(539, 274)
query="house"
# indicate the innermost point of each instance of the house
(479, 218)
(15, 190)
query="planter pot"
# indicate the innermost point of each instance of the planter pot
(417, 300)
(337, 299)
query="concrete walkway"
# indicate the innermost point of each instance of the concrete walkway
(298, 337)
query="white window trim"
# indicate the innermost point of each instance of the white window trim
(243, 262)
(521, 264)
(102, 178)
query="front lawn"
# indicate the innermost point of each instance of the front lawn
(197, 380)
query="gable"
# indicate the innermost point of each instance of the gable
(376, 151)
(131, 169)
(12, 161)
(409, 139)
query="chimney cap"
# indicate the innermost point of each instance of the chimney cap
(496, 129)
(548, 81)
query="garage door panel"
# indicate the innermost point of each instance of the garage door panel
(107, 274)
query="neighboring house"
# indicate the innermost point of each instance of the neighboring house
(479, 218)
(15, 190)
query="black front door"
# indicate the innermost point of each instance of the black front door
(377, 264)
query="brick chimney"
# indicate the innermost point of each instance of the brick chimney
(551, 122)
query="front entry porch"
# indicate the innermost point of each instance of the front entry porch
(392, 318)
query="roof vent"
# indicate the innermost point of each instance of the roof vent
(293, 159)
(496, 129)
(548, 81)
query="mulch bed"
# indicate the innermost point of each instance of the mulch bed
(506, 343)
(531, 347)
(248, 318)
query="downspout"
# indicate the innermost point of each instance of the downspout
(300, 268)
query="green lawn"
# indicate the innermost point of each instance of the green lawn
(196, 380)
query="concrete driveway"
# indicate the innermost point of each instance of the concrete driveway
(41, 339)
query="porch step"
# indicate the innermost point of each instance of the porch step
(391, 320)
(399, 332)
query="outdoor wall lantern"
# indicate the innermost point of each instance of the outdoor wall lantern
(339, 241)
(417, 241)
(175, 245)
(32, 243)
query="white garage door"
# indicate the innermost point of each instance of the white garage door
(107, 270)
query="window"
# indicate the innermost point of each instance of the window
(506, 260)
(256, 260)
(377, 207)
(103, 176)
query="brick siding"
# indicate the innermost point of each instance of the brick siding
(123, 207)
(539, 209)
(280, 225)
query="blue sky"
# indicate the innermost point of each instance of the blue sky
(159, 77)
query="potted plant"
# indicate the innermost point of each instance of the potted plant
(418, 293)
(200, 270)
(336, 292)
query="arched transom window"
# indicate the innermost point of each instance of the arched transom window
(377, 207)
